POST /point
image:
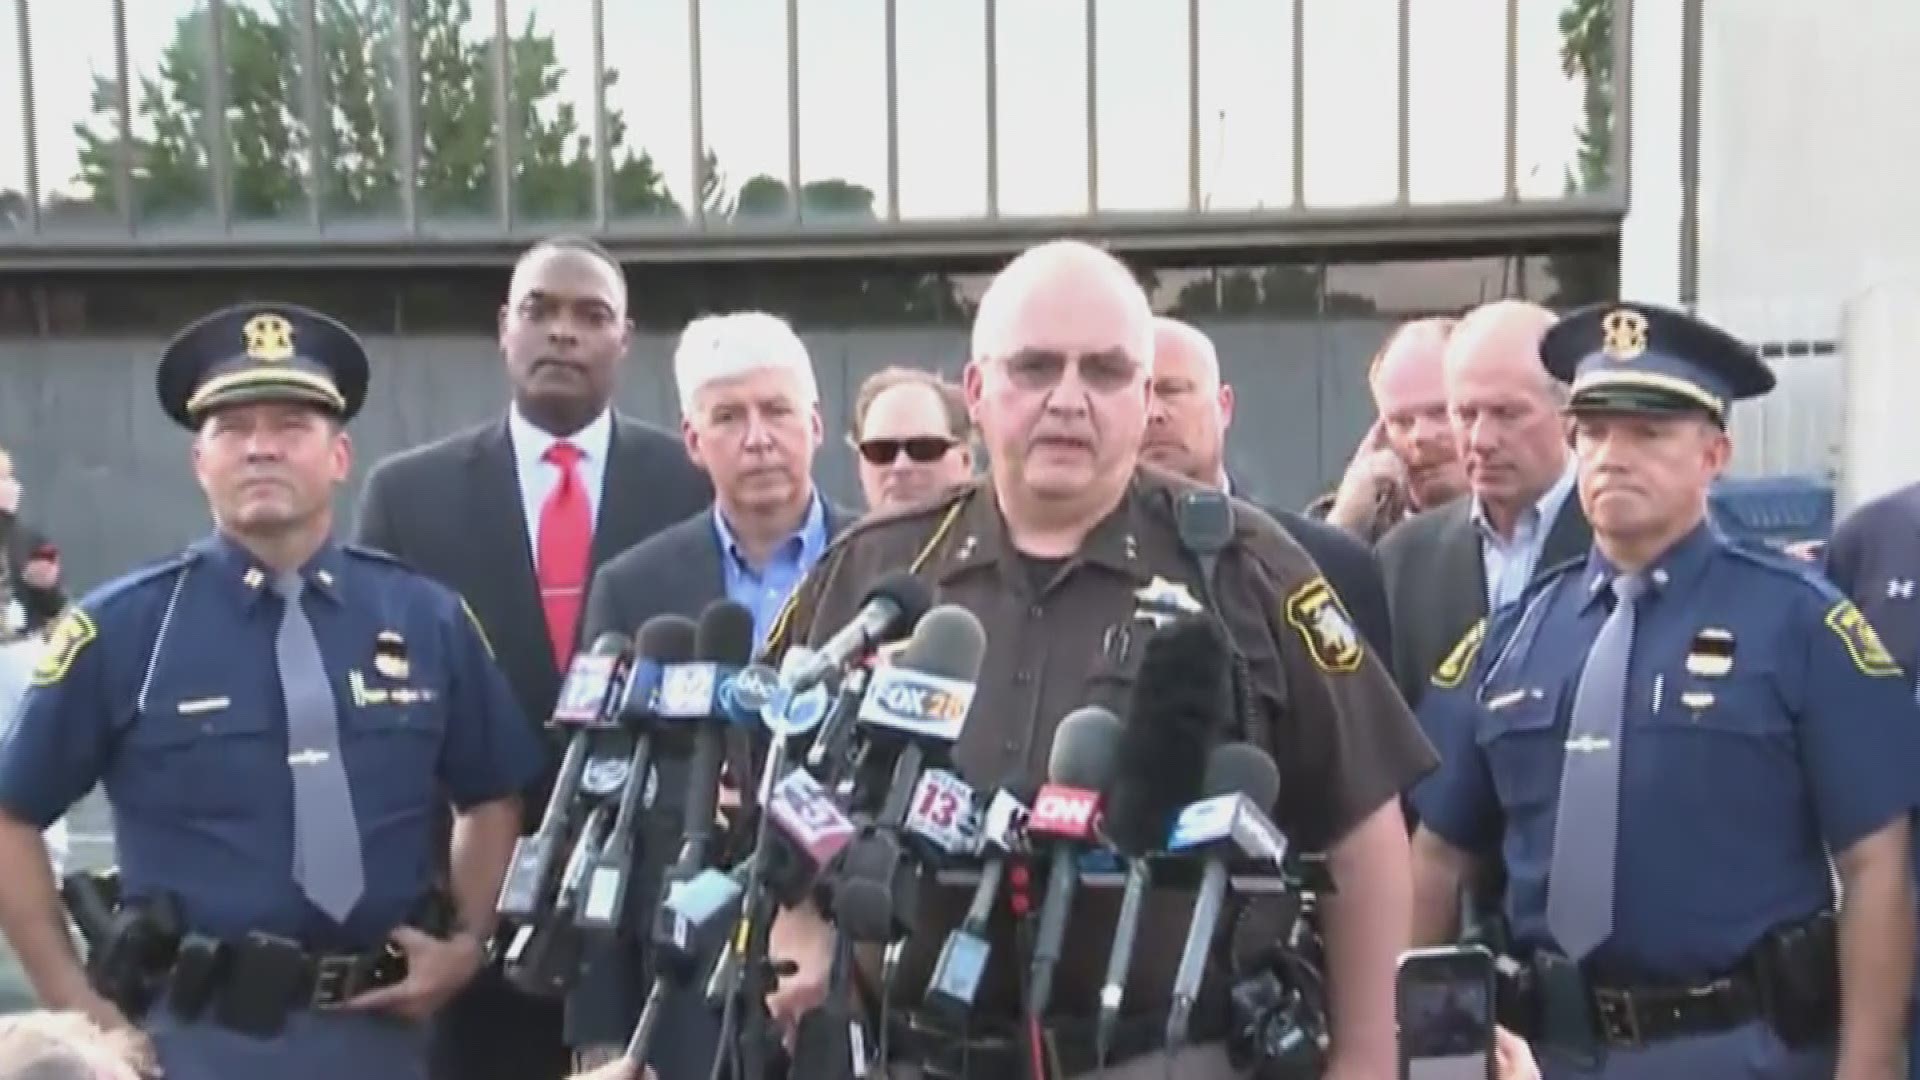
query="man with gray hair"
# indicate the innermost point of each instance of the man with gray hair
(1450, 565)
(1065, 551)
(750, 419)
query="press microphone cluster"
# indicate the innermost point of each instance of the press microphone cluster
(667, 695)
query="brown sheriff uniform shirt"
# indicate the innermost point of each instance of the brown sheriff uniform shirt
(1327, 711)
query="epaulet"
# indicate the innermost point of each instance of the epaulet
(1769, 558)
(133, 580)
(937, 514)
(372, 554)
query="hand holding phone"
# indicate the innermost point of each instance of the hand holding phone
(1444, 1004)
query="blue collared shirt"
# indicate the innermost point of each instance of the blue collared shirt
(1510, 564)
(764, 590)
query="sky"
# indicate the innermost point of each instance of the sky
(1246, 111)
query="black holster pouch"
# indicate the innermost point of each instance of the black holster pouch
(131, 941)
(1798, 969)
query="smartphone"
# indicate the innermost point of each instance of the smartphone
(1443, 999)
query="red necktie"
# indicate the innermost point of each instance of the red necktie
(566, 536)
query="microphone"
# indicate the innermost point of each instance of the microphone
(593, 684)
(814, 832)
(916, 704)
(891, 608)
(724, 637)
(1080, 765)
(1181, 698)
(962, 965)
(610, 763)
(1246, 782)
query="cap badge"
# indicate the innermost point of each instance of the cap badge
(269, 338)
(1623, 334)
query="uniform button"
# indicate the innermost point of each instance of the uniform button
(1012, 745)
(1035, 611)
(1022, 678)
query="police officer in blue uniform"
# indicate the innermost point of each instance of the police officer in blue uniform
(1664, 741)
(274, 716)
(1874, 557)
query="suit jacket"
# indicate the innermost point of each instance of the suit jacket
(1874, 557)
(1437, 583)
(676, 572)
(452, 510)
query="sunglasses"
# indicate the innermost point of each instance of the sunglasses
(922, 449)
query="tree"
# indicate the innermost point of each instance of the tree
(1586, 53)
(363, 149)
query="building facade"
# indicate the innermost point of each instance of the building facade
(1295, 176)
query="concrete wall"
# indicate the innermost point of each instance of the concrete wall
(106, 473)
(1806, 207)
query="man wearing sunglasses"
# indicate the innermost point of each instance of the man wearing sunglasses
(1065, 551)
(913, 437)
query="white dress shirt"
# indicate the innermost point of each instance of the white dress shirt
(538, 477)
(1510, 564)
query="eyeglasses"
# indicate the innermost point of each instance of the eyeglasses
(922, 449)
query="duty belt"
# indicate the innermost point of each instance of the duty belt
(253, 985)
(1536, 997)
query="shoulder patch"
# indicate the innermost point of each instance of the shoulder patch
(1862, 641)
(1454, 666)
(1316, 614)
(474, 621)
(64, 642)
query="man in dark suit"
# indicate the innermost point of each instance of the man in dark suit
(515, 516)
(751, 420)
(1187, 433)
(1447, 567)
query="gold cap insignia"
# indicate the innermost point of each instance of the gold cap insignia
(1623, 334)
(269, 338)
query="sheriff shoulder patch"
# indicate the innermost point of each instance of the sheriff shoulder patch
(64, 642)
(1862, 642)
(1453, 667)
(474, 620)
(1315, 612)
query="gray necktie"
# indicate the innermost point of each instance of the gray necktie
(326, 838)
(1586, 830)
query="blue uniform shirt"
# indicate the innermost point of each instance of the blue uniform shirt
(163, 685)
(1765, 724)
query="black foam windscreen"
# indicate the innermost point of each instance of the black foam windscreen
(1085, 749)
(1181, 700)
(948, 641)
(909, 594)
(667, 639)
(1244, 769)
(725, 634)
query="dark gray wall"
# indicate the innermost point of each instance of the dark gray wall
(106, 473)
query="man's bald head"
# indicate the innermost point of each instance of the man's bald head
(1193, 349)
(1505, 407)
(1502, 337)
(1063, 288)
(1191, 410)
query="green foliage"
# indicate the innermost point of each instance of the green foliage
(358, 140)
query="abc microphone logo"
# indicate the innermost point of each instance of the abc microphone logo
(1064, 811)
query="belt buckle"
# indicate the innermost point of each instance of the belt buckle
(335, 980)
(1619, 1019)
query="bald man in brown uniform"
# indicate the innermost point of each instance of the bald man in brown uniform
(1050, 551)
